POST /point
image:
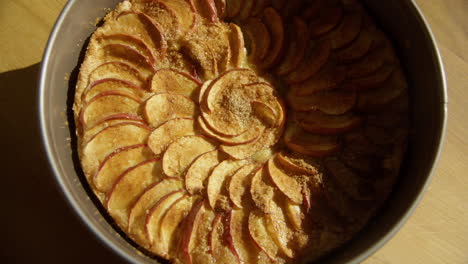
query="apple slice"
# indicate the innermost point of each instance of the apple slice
(336, 102)
(127, 54)
(298, 41)
(166, 242)
(129, 186)
(259, 38)
(362, 163)
(328, 78)
(175, 82)
(294, 214)
(239, 239)
(265, 113)
(348, 30)
(181, 153)
(117, 163)
(202, 54)
(244, 151)
(315, 58)
(218, 178)
(357, 49)
(291, 8)
(329, 18)
(154, 194)
(309, 144)
(371, 81)
(220, 8)
(110, 120)
(167, 18)
(262, 191)
(357, 143)
(207, 9)
(169, 132)
(155, 215)
(380, 97)
(260, 235)
(116, 70)
(237, 46)
(239, 184)
(199, 170)
(184, 13)
(139, 24)
(246, 9)
(109, 103)
(278, 4)
(278, 229)
(274, 23)
(111, 84)
(233, 7)
(249, 136)
(300, 165)
(287, 184)
(199, 246)
(323, 124)
(219, 245)
(189, 230)
(312, 10)
(131, 41)
(163, 107)
(108, 140)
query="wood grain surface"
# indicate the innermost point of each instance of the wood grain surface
(38, 227)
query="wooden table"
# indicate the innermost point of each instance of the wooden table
(436, 233)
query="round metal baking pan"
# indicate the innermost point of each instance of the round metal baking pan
(417, 49)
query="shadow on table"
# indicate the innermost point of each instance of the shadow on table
(37, 224)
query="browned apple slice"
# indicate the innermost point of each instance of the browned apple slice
(287, 184)
(207, 9)
(154, 194)
(175, 82)
(249, 136)
(259, 6)
(169, 132)
(108, 140)
(129, 186)
(199, 246)
(219, 245)
(328, 78)
(246, 9)
(163, 107)
(220, 8)
(109, 103)
(378, 98)
(348, 30)
(315, 58)
(357, 49)
(237, 46)
(260, 235)
(131, 41)
(218, 178)
(259, 38)
(181, 153)
(189, 230)
(323, 124)
(334, 102)
(184, 13)
(296, 164)
(155, 215)
(170, 229)
(371, 81)
(111, 84)
(233, 7)
(291, 8)
(127, 54)
(329, 18)
(240, 184)
(239, 239)
(274, 23)
(118, 162)
(297, 45)
(116, 70)
(309, 144)
(265, 113)
(204, 57)
(199, 170)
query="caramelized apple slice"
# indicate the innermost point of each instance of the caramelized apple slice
(309, 144)
(169, 132)
(175, 82)
(239, 239)
(246, 9)
(199, 170)
(260, 235)
(154, 194)
(323, 124)
(219, 176)
(335, 102)
(239, 184)
(328, 78)
(116, 70)
(180, 154)
(299, 165)
(233, 7)
(259, 38)
(207, 9)
(287, 184)
(371, 81)
(274, 23)
(315, 58)
(236, 43)
(163, 107)
(296, 47)
(348, 30)
(184, 13)
(129, 186)
(118, 162)
(108, 140)
(109, 103)
(218, 244)
(247, 137)
(111, 84)
(357, 49)
(156, 214)
(189, 230)
(381, 54)
(329, 18)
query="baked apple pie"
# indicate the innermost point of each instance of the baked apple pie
(240, 131)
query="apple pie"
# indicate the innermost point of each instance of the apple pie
(240, 131)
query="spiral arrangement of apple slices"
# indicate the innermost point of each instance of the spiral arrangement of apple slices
(184, 137)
